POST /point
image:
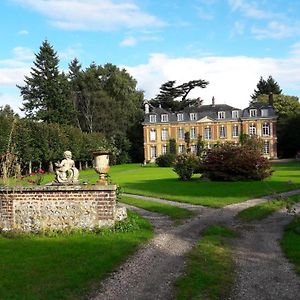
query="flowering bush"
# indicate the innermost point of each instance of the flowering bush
(185, 165)
(37, 177)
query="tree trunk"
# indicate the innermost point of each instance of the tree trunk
(51, 169)
(30, 167)
(86, 165)
(80, 166)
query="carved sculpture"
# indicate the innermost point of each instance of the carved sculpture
(65, 171)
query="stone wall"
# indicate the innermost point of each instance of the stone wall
(57, 207)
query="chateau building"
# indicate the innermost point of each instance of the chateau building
(215, 123)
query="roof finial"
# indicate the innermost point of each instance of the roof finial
(213, 101)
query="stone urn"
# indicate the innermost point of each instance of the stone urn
(101, 165)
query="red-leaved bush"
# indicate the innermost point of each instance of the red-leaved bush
(231, 162)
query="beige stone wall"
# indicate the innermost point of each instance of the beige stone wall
(57, 208)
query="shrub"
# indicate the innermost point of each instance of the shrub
(185, 165)
(230, 162)
(166, 160)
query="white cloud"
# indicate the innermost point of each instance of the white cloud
(70, 52)
(13, 100)
(232, 79)
(295, 50)
(23, 32)
(102, 15)
(238, 29)
(128, 42)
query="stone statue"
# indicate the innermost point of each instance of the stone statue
(65, 171)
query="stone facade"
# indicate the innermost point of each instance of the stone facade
(57, 207)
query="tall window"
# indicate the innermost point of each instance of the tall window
(164, 149)
(235, 131)
(266, 148)
(152, 118)
(193, 133)
(193, 148)
(252, 129)
(179, 117)
(164, 118)
(221, 114)
(180, 133)
(152, 135)
(164, 134)
(181, 149)
(153, 152)
(193, 116)
(264, 112)
(253, 112)
(266, 129)
(235, 114)
(222, 131)
(207, 133)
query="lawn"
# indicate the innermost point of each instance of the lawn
(65, 266)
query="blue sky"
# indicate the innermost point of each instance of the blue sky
(230, 43)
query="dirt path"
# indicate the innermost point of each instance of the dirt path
(152, 271)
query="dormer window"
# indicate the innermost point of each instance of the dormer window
(221, 114)
(235, 114)
(253, 112)
(152, 118)
(193, 116)
(179, 117)
(164, 118)
(264, 112)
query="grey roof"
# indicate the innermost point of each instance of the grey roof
(258, 106)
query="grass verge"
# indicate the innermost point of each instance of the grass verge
(261, 211)
(175, 213)
(290, 243)
(209, 273)
(66, 266)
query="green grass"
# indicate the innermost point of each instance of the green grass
(209, 272)
(175, 213)
(290, 243)
(261, 211)
(65, 266)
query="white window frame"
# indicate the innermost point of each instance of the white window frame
(152, 135)
(253, 112)
(252, 129)
(164, 134)
(207, 133)
(164, 149)
(266, 129)
(193, 134)
(193, 116)
(164, 118)
(181, 148)
(193, 148)
(222, 133)
(235, 114)
(266, 149)
(235, 131)
(221, 114)
(152, 118)
(264, 112)
(179, 117)
(180, 133)
(153, 152)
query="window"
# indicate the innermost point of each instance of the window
(207, 133)
(235, 131)
(252, 129)
(164, 118)
(266, 129)
(264, 112)
(193, 133)
(152, 118)
(180, 133)
(179, 117)
(221, 114)
(222, 131)
(253, 112)
(266, 148)
(193, 116)
(181, 149)
(153, 152)
(235, 114)
(164, 134)
(152, 135)
(164, 149)
(194, 149)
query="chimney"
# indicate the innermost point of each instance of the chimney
(147, 110)
(271, 99)
(213, 101)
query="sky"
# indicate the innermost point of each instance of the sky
(230, 43)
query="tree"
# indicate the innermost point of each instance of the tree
(45, 93)
(175, 98)
(265, 87)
